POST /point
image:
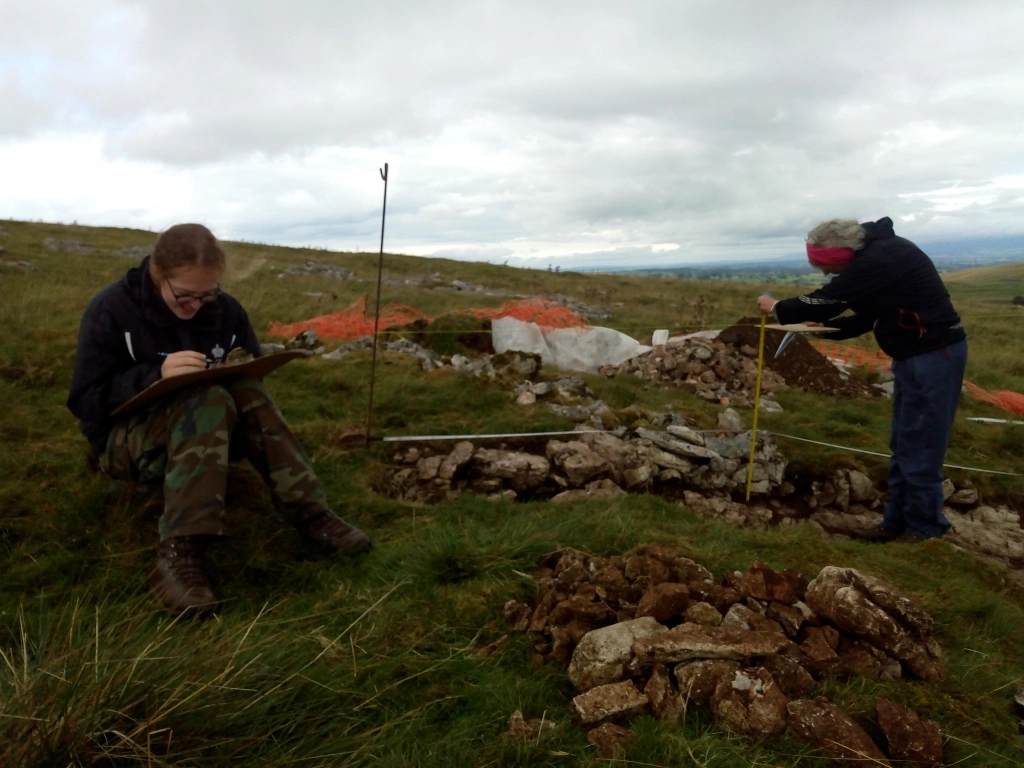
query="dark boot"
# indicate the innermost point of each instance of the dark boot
(178, 581)
(330, 530)
(879, 534)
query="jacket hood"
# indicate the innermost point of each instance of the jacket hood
(878, 230)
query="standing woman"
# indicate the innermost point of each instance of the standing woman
(165, 318)
(893, 288)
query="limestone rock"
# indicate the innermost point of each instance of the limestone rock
(862, 490)
(911, 740)
(458, 458)
(522, 730)
(870, 608)
(789, 617)
(729, 421)
(428, 468)
(694, 641)
(524, 471)
(793, 680)
(579, 463)
(686, 434)
(666, 703)
(965, 497)
(602, 655)
(821, 724)
(698, 680)
(598, 489)
(749, 702)
(844, 523)
(611, 739)
(607, 701)
(664, 602)
(703, 613)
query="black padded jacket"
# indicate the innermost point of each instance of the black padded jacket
(893, 288)
(124, 329)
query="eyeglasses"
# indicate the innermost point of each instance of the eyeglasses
(186, 299)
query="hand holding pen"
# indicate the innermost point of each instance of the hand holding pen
(178, 363)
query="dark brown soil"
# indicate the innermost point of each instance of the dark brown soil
(801, 365)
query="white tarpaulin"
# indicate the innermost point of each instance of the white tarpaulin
(571, 349)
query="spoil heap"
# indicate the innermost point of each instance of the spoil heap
(654, 630)
(800, 364)
(724, 368)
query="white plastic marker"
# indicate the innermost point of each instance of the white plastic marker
(757, 402)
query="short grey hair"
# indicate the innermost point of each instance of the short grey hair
(837, 233)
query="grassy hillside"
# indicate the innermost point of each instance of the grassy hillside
(314, 661)
(998, 284)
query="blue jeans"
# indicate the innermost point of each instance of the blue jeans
(925, 395)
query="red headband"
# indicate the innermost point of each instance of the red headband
(829, 257)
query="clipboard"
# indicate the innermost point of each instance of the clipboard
(253, 369)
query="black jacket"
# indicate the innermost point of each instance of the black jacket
(893, 289)
(124, 328)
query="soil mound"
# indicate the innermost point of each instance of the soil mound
(801, 365)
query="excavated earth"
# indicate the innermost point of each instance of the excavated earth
(800, 364)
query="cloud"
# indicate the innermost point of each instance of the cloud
(529, 131)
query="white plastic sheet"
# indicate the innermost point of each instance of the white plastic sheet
(571, 349)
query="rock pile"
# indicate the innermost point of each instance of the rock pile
(311, 268)
(67, 246)
(722, 368)
(654, 631)
(135, 251)
(707, 367)
(594, 464)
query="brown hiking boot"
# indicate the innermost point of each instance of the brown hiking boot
(178, 581)
(330, 530)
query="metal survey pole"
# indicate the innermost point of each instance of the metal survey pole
(376, 313)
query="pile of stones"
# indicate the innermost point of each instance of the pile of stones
(311, 268)
(655, 631)
(67, 246)
(707, 367)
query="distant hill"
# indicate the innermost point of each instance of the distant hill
(999, 283)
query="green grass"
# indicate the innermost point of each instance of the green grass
(316, 661)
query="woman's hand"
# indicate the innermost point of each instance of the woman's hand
(766, 303)
(178, 363)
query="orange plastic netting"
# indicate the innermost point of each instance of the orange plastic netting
(847, 355)
(353, 322)
(1011, 402)
(1001, 398)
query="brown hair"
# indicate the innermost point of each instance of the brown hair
(186, 245)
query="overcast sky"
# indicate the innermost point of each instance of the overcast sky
(572, 133)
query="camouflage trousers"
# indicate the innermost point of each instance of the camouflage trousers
(189, 440)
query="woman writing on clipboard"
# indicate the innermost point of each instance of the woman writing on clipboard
(165, 318)
(893, 289)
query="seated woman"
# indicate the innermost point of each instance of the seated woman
(169, 317)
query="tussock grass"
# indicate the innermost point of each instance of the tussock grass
(377, 660)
